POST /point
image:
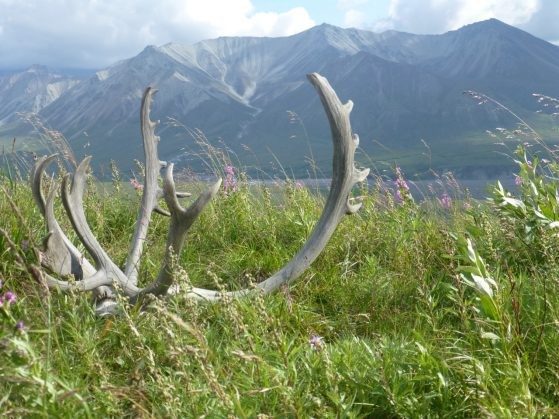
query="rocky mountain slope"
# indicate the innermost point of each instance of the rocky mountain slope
(251, 94)
(31, 90)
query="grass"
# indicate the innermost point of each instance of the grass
(388, 322)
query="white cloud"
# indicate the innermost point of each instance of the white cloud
(350, 4)
(544, 22)
(354, 18)
(279, 24)
(538, 17)
(237, 17)
(94, 33)
(382, 25)
(353, 12)
(514, 12)
(436, 16)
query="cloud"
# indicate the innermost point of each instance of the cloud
(544, 22)
(96, 33)
(353, 12)
(514, 12)
(278, 24)
(538, 17)
(436, 16)
(354, 18)
(350, 4)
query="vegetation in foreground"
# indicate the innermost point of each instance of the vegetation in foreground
(448, 307)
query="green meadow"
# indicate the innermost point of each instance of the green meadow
(444, 307)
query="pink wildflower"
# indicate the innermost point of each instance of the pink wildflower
(10, 297)
(316, 342)
(229, 170)
(402, 192)
(398, 196)
(230, 182)
(136, 185)
(446, 201)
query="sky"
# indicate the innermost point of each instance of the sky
(93, 34)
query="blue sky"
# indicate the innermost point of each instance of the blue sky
(97, 33)
(329, 11)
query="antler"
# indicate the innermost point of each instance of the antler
(62, 257)
(59, 255)
(181, 220)
(105, 272)
(151, 191)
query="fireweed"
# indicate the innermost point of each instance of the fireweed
(8, 307)
(230, 181)
(445, 200)
(402, 192)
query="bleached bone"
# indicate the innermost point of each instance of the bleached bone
(59, 255)
(105, 273)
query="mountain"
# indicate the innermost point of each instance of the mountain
(247, 93)
(30, 90)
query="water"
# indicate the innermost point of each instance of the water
(420, 189)
(475, 188)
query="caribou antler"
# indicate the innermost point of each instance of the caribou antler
(59, 255)
(107, 273)
(151, 191)
(181, 220)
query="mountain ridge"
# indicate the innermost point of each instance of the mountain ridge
(406, 88)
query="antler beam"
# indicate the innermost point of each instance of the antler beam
(344, 177)
(151, 191)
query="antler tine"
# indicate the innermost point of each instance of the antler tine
(181, 221)
(160, 194)
(182, 194)
(344, 177)
(94, 282)
(59, 254)
(178, 194)
(72, 198)
(37, 180)
(150, 193)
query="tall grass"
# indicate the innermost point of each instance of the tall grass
(414, 309)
